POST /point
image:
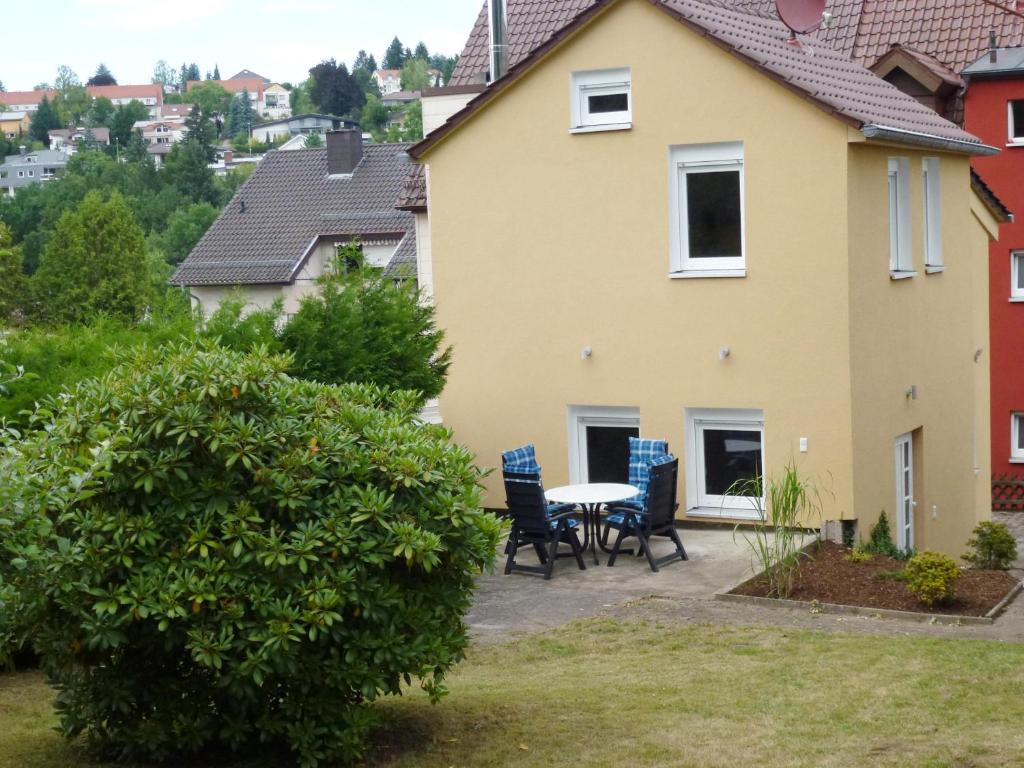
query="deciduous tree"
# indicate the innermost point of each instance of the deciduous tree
(334, 90)
(123, 121)
(416, 75)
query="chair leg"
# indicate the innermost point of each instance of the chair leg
(511, 548)
(616, 546)
(674, 535)
(552, 555)
(542, 555)
(647, 550)
(577, 549)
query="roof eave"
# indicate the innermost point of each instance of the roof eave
(931, 141)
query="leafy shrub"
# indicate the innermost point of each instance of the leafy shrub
(880, 541)
(238, 557)
(932, 577)
(992, 547)
(859, 554)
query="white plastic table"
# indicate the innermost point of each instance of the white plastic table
(590, 497)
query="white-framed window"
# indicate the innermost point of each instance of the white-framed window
(32, 174)
(21, 174)
(1015, 121)
(1016, 275)
(599, 442)
(706, 210)
(602, 100)
(932, 193)
(725, 453)
(901, 243)
(1017, 437)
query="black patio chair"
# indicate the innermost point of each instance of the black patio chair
(657, 518)
(533, 526)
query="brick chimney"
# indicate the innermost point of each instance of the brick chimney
(344, 151)
(229, 157)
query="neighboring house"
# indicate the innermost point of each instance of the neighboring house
(226, 162)
(150, 95)
(160, 135)
(248, 74)
(14, 125)
(994, 108)
(276, 102)
(706, 234)
(176, 110)
(282, 229)
(268, 99)
(400, 98)
(300, 125)
(388, 80)
(26, 168)
(66, 139)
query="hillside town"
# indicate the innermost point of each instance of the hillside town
(660, 356)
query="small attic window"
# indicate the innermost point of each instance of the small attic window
(602, 100)
(1016, 115)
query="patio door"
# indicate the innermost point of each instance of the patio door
(905, 503)
(599, 443)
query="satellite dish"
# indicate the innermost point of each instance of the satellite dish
(801, 16)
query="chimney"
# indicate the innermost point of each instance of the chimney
(229, 157)
(344, 151)
(993, 53)
(21, 149)
(496, 19)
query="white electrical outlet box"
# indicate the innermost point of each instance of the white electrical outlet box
(935, 511)
(803, 445)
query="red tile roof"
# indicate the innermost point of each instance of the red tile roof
(127, 91)
(251, 84)
(824, 77)
(10, 98)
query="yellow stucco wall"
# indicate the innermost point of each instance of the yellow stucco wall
(545, 242)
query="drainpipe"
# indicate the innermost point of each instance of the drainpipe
(496, 22)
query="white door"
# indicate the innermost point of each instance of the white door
(905, 492)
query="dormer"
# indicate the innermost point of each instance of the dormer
(922, 76)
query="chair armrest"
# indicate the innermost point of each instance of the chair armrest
(562, 515)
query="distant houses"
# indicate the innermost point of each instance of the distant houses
(269, 100)
(299, 125)
(66, 140)
(152, 96)
(26, 168)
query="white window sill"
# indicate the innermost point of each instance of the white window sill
(902, 275)
(722, 514)
(1016, 460)
(599, 128)
(1017, 299)
(1015, 143)
(934, 270)
(687, 274)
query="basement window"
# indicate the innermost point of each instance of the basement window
(1015, 114)
(706, 210)
(602, 100)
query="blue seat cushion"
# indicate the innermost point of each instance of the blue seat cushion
(571, 522)
(521, 460)
(557, 509)
(633, 504)
(618, 519)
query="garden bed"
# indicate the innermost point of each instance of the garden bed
(827, 576)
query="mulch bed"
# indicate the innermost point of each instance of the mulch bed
(828, 577)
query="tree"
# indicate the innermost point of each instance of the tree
(184, 229)
(313, 141)
(187, 168)
(229, 549)
(44, 120)
(123, 121)
(2, 89)
(416, 75)
(94, 263)
(241, 115)
(362, 62)
(12, 277)
(299, 98)
(334, 90)
(395, 56)
(189, 72)
(73, 104)
(211, 97)
(421, 52)
(413, 128)
(363, 327)
(374, 116)
(163, 74)
(66, 78)
(216, 72)
(101, 112)
(445, 65)
(103, 76)
(200, 129)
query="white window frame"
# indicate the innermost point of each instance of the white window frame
(931, 187)
(1016, 265)
(1016, 454)
(582, 416)
(698, 502)
(901, 241)
(702, 158)
(600, 82)
(1011, 139)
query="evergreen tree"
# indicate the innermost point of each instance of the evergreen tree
(241, 115)
(103, 76)
(216, 72)
(183, 78)
(362, 62)
(122, 124)
(44, 120)
(421, 52)
(394, 57)
(200, 129)
(135, 151)
(371, 64)
(187, 168)
(2, 89)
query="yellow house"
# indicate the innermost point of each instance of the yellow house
(13, 125)
(669, 220)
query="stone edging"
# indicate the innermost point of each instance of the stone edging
(883, 613)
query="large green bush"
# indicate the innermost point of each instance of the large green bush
(991, 547)
(932, 577)
(237, 557)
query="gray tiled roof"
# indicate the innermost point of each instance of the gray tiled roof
(826, 77)
(287, 204)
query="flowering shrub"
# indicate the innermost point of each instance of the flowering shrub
(232, 557)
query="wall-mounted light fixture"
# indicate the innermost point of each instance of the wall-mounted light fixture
(912, 392)
(723, 353)
(977, 353)
(587, 353)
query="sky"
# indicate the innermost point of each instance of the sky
(279, 39)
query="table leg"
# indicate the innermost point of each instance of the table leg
(591, 528)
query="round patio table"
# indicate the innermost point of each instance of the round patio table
(590, 497)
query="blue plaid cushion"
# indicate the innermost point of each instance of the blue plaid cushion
(521, 460)
(641, 454)
(571, 522)
(618, 519)
(557, 509)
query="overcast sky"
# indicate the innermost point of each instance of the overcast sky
(279, 39)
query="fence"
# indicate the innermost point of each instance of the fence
(1007, 493)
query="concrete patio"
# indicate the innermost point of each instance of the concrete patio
(520, 602)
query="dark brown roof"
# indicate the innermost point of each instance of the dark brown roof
(824, 77)
(289, 203)
(413, 196)
(929, 63)
(992, 201)
(953, 32)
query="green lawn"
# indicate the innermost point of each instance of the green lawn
(604, 693)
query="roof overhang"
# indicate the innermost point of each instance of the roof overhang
(926, 140)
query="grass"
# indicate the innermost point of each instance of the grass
(605, 693)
